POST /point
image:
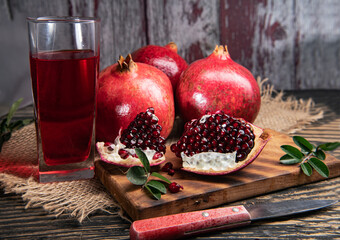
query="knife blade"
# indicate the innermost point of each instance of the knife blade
(192, 223)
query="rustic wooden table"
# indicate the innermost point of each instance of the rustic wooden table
(16, 222)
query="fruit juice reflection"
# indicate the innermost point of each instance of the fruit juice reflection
(64, 90)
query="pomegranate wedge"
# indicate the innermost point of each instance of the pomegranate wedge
(144, 133)
(217, 144)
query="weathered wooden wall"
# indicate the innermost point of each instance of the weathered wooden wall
(295, 43)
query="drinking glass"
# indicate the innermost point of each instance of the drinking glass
(64, 63)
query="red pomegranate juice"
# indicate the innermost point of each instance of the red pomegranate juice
(64, 90)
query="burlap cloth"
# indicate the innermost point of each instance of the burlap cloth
(18, 164)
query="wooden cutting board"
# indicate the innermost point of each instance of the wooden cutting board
(264, 175)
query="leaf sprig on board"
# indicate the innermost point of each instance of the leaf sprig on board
(7, 126)
(140, 176)
(309, 157)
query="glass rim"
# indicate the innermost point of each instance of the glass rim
(59, 19)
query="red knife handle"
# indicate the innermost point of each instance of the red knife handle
(188, 224)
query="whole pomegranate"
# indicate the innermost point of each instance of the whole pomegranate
(128, 88)
(164, 58)
(143, 133)
(218, 144)
(218, 83)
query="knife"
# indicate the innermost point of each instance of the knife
(184, 225)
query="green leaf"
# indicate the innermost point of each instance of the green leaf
(319, 166)
(142, 157)
(6, 136)
(3, 138)
(154, 192)
(329, 146)
(16, 125)
(157, 185)
(12, 110)
(288, 160)
(3, 126)
(306, 168)
(303, 144)
(27, 121)
(292, 151)
(320, 154)
(137, 175)
(156, 174)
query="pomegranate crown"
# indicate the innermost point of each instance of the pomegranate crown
(172, 46)
(222, 52)
(126, 64)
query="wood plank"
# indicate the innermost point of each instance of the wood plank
(317, 44)
(193, 25)
(260, 36)
(122, 29)
(265, 175)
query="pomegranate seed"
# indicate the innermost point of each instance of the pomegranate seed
(214, 143)
(184, 139)
(161, 148)
(171, 172)
(167, 167)
(154, 120)
(107, 144)
(151, 110)
(175, 187)
(157, 155)
(174, 148)
(203, 148)
(241, 156)
(244, 146)
(190, 148)
(156, 133)
(205, 133)
(123, 153)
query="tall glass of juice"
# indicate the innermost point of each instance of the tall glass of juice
(64, 62)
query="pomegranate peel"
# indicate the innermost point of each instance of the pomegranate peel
(143, 133)
(165, 58)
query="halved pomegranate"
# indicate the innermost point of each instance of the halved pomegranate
(144, 133)
(218, 144)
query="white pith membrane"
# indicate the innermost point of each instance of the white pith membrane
(210, 161)
(215, 163)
